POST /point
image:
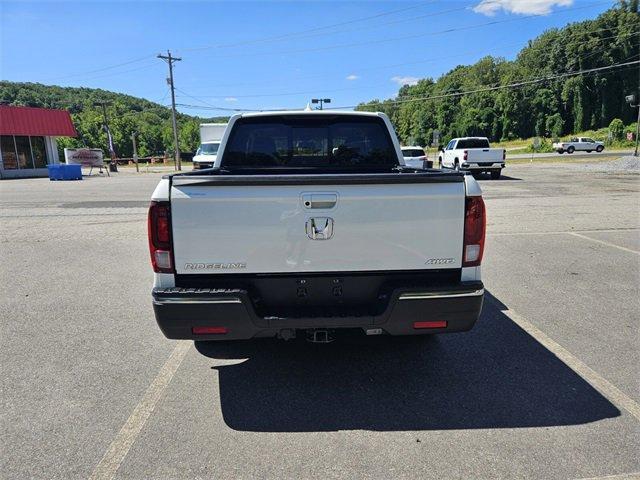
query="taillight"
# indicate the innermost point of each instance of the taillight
(466, 155)
(159, 227)
(475, 222)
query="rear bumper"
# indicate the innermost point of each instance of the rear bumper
(202, 165)
(179, 310)
(483, 166)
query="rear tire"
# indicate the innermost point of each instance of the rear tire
(456, 165)
(570, 150)
(440, 163)
(560, 151)
(495, 174)
(599, 148)
(588, 151)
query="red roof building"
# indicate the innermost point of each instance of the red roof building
(36, 122)
(28, 139)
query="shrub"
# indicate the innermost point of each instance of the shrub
(554, 125)
(616, 128)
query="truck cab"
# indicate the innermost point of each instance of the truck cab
(210, 137)
(205, 156)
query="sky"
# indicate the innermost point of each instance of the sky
(265, 55)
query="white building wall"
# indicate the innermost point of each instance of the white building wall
(52, 149)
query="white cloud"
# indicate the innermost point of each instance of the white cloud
(405, 80)
(231, 99)
(352, 77)
(523, 7)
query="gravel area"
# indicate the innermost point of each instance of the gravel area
(623, 164)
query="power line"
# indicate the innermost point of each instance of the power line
(287, 94)
(403, 64)
(314, 32)
(301, 32)
(431, 97)
(406, 37)
(102, 69)
(359, 69)
(499, 87)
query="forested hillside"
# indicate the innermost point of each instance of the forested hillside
(127, 114)
(534, 95)
(547, 108)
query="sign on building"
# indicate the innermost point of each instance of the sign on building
(87, 157)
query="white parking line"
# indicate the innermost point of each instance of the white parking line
(562, 232)
(606, 388)
(621, 476)
(120, 445)
(608, 244)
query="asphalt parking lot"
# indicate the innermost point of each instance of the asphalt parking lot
(545, 386)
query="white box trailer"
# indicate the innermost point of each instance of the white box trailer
(210, 136)
(212, 132)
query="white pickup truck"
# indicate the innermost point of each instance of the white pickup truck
(309, 223)
(473, 154)
(577, 144)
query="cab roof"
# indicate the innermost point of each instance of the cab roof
(307, 112)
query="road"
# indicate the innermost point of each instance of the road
(545, 385)
(573, 156)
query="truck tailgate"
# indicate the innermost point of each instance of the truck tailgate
(485, 155)
(229, 224)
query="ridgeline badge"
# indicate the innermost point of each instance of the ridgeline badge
(439, 261)
(214, 266)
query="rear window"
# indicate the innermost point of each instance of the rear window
(473, 143)
(299, 142)
(412, 152)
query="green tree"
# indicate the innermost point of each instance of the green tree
(616, 128)
(456, 105)
(554, 125)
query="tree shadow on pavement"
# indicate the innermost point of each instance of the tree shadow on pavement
(495, 376)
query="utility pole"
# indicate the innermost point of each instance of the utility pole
(169, 59)
(113, 166)
(631, 99)
(321, 101)
(635, 154)
(135, 150)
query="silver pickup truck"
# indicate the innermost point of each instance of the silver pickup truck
(309, 222)
(579, 144)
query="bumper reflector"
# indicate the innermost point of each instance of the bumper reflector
(433, 324)
(209, 330)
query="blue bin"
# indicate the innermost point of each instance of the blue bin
(72, 172)
(62, 171)
(55, 172)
